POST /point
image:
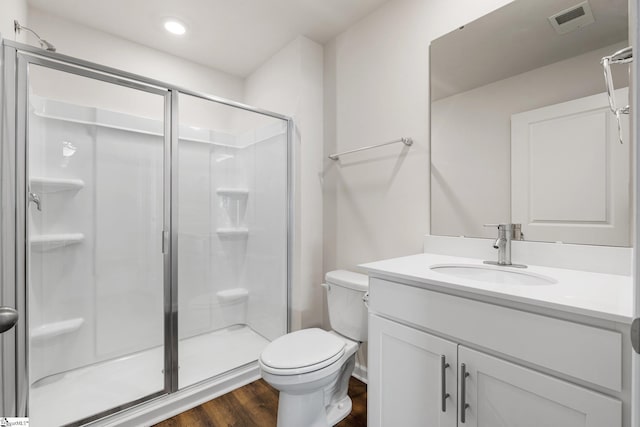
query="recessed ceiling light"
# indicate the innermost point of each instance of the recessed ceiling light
(175, 27)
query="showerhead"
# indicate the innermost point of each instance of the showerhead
(43, 43)
(47, 45)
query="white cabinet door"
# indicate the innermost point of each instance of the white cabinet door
(570, 176)
(502, 394)
(405, 377)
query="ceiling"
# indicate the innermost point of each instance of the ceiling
(518, 38)
(234, 36)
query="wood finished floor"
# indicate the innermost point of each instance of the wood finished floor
(256, 405)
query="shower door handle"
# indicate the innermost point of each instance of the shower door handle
(8, 318)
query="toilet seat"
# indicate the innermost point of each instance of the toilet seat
(302, 352)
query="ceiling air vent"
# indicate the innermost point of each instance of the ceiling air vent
(573, 18)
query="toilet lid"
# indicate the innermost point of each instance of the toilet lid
(303, 351)
(348, 279)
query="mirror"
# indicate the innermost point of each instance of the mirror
(520, 126)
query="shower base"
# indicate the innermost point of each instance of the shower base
(83, 392)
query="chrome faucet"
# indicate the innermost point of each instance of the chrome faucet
(33, 197)
(506, 233)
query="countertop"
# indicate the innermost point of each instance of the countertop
(603, 296)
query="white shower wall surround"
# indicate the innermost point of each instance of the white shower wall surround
(226, 271)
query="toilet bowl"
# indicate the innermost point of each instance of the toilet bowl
(311, 367)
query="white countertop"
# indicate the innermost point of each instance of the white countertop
(603, 296)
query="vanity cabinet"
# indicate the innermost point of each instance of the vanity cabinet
(498, 364)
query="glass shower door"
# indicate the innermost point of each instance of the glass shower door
(95, 221)
(232, 216)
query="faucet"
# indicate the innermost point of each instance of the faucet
(506, 233)
(33, 197)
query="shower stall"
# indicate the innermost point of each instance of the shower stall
(146, 238)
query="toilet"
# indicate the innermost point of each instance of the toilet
(311, 367)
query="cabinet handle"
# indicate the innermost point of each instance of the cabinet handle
(443, 382)
(463, 392)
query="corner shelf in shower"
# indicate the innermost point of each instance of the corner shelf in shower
(47, 242)
(47, 331)
(239, 232)
(54, 185)
(232, 192)
(232, 296)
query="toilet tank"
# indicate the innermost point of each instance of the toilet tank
(347, 310)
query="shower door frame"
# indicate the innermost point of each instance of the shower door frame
(16, 58)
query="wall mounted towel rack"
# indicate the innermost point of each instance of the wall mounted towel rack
(405, 140)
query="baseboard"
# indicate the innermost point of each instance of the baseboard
(360, 372)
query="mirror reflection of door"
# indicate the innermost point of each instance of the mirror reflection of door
(570, 175)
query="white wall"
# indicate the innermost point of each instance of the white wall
(291, 83)
(376, 87)
(480, 151)
(11, 10)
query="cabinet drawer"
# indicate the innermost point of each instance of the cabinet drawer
(584, 352)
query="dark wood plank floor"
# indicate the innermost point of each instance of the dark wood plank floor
(256, 405)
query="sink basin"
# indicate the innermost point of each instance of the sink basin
(493, 274)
